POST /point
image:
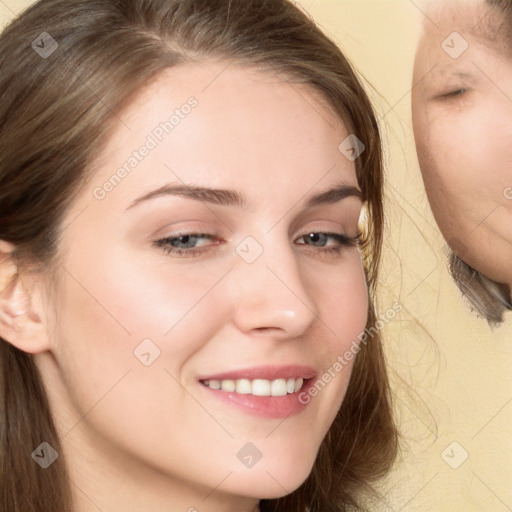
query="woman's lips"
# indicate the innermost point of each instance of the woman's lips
(266, 372)
(266, 391)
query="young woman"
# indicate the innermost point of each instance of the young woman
(186, 295)
(462, 113)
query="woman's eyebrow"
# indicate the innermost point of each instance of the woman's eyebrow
(446, 72)
(226, 197)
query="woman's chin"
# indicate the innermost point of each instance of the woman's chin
(270, 484)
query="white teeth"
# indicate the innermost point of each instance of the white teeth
(214, 384)
(257, 387)
(278, 387)
(228, 385)
(243, 387)
(261, 387)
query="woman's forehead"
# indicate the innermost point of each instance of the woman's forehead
(227, 93)
(475, 18)
(240, 132)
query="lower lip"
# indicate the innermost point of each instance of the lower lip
(264, 406)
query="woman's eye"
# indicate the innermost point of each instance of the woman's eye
(185, 241)
(191, 244)
(321, 240)
(188, 243)
(455, 93)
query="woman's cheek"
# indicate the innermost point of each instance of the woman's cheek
(152, 295)
(351, 298)
(343, 300)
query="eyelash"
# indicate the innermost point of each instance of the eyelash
(344, 242)
(454, 94)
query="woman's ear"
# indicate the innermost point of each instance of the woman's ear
(22, 315)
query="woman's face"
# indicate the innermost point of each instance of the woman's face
(462, 114)
(146, 319)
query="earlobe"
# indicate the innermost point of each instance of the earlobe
(21, 321)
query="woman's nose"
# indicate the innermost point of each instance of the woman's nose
(273, 296)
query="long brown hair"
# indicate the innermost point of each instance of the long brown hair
(56, 112)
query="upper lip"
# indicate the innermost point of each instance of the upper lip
(264, 372)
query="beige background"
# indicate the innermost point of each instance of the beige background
(450, 372)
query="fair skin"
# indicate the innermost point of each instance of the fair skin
(462, 111)
(155, 437)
